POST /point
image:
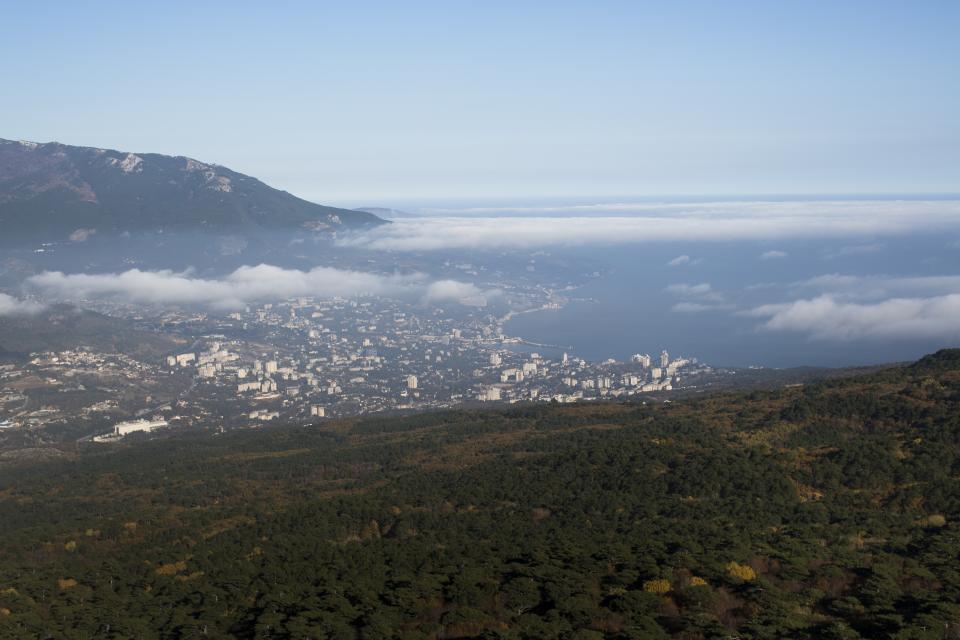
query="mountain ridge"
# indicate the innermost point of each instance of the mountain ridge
(54, 191)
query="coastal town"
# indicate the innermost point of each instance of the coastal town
(307, 360)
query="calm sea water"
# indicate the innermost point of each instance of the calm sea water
(631, 310)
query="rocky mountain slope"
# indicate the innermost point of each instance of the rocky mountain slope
(54, 192)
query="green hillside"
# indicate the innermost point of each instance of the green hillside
(63, 327)
(823, 511)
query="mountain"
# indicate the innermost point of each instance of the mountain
(54, 192)
(830, 510)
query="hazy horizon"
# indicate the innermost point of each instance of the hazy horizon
(376, 101)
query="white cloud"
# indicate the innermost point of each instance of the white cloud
(245, 285)
(82, 235)
(827, 318)
(454, 290)
(682, 260)
(773, 254)
(877, 287)
(10, 306)
(522, 228)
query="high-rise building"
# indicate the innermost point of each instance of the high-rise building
(412, 382)
(643, 360)
(664, 358)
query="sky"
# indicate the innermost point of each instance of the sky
(370, 103)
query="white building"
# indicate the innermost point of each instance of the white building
(490, 394)
(643, 360)
(318, 411)
(123, 428)
(412, 382)
(186, 358)
(511, 375)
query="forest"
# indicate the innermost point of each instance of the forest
(825, 510)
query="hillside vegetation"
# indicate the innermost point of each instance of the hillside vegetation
(62, 327)
(822, 511)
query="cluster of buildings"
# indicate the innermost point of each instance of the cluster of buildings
(573, 379)
(306, 360)
(77, 386)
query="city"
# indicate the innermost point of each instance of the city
(305, 360)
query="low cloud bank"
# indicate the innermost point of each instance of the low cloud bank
(878, 287)
(455, 290)
(246, 285)
(638, 223)
(10, 306)
(828, 318)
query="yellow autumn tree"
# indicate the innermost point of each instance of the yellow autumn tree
(741, 571)
(660, 586)
(935, 521)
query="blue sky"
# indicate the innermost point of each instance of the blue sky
(384, 103)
